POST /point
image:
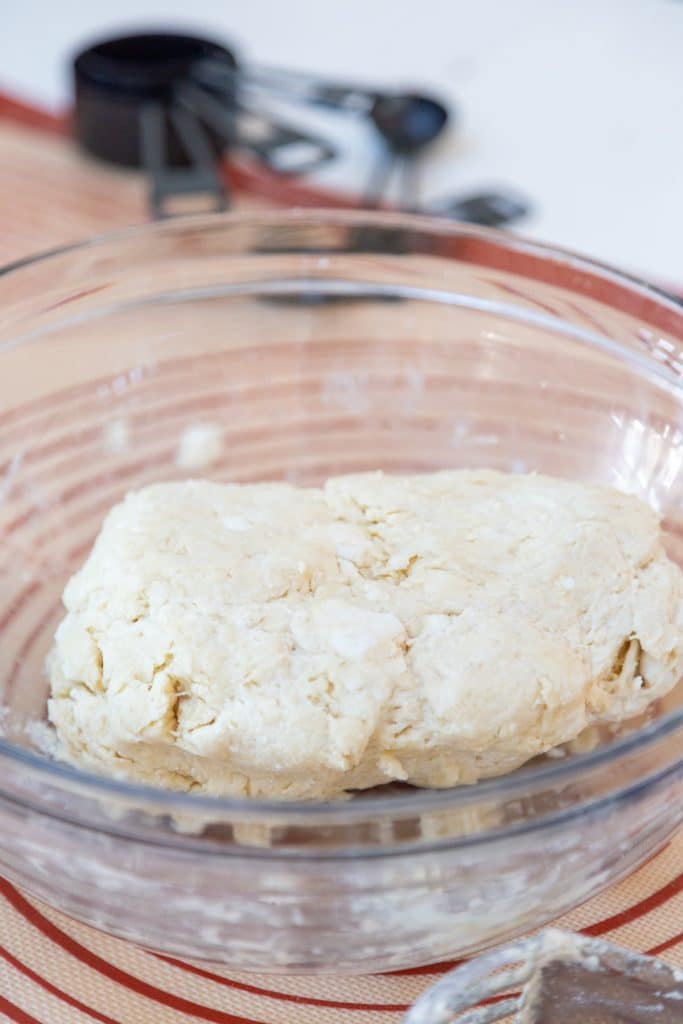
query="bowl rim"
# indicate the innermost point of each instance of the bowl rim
(378, 218)
(416, 801)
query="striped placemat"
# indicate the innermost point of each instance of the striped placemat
(56, 971)
(52, 193)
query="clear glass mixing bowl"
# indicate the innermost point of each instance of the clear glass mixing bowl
(314, 344)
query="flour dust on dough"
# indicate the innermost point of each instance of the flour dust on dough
(269, 641)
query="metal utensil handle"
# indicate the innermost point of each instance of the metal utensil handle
(465, 987)
(210, 79)
(200, 176)
(493, 975)
(298, 86)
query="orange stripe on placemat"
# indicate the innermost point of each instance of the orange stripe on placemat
(632, 913)
(53, 990)
(15, 1013)
(114, 974)
(288, 997)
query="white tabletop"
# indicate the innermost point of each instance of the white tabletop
(576, 105)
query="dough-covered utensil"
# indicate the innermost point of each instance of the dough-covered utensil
(563, 978)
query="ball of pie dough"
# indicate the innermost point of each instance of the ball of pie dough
(272, 641)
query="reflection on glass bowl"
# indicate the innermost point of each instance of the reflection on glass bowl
(312, 345)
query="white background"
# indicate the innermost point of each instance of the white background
(577, 105)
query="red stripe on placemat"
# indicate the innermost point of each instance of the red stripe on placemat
(288, 997)
(34, 916)
(15, 1013)
(243, 175)
(119, 976)
(75, 296)
(633, 913)
(253, 178)
(440, 968)
(115, 974)
(651, 902)
(14, 109)
(589, 318)
(639, 909)
(518, 293)
(667, 944)
(53, 990)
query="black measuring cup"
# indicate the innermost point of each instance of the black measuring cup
(171, 104)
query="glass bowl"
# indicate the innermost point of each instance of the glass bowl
(304, 345)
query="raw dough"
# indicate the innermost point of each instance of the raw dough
(200, 445)
(265, 640)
